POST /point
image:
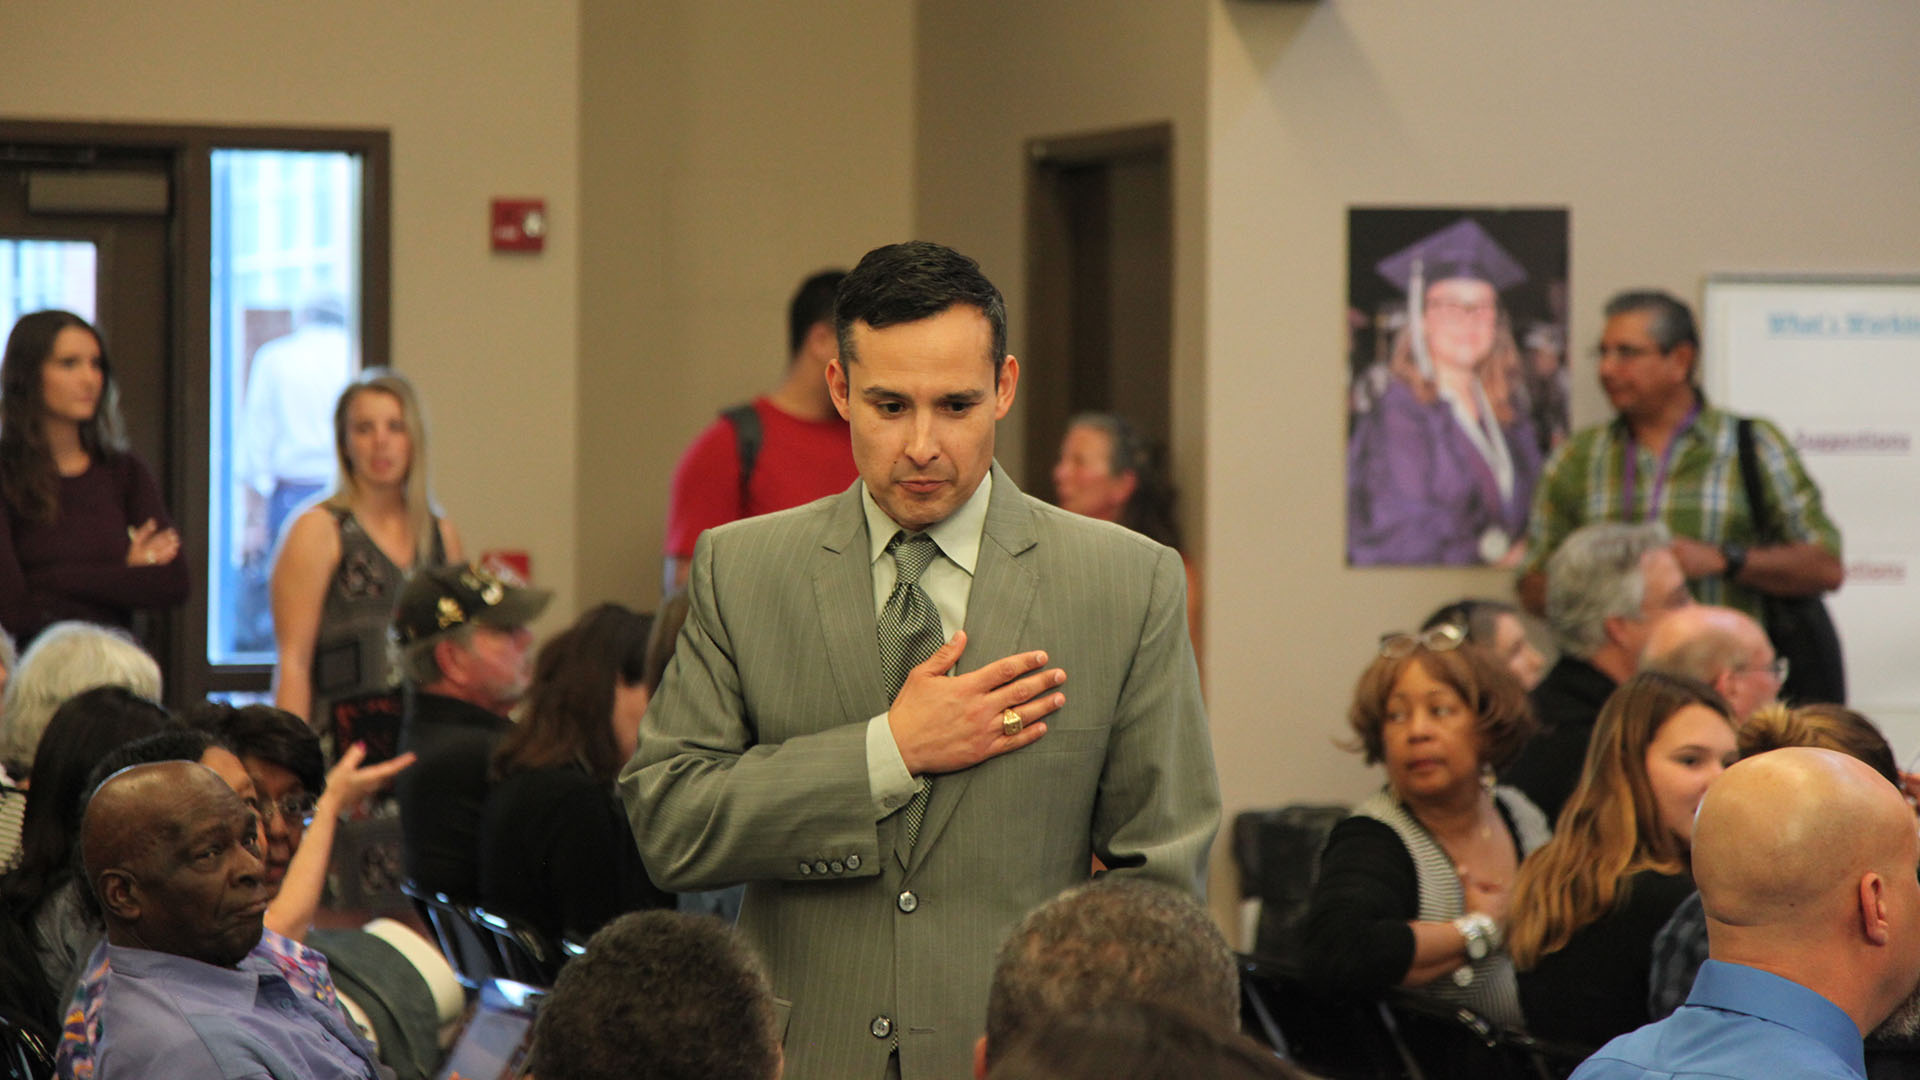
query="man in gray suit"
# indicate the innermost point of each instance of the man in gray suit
(892, 820)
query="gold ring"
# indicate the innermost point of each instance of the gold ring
(1010, 723)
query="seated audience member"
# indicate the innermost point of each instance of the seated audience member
(1413, 887)
(13, 796)
(555, 846)
(299, 805)
(1807, 862)
(1110, 941)
(1586, 906)
(42, 893)
(173, 855)
(1498, 629)
(1608, 587)
(1682, 945)
(256, 749)
(1721, 647)
(464, 649)
(66, 659)
(660, 996)
(1140, 1040)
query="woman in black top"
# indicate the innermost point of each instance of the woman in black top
(555, 847)
(1412, 889)
(1587, 906)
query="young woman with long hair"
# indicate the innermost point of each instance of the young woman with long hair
(1586, 907)
(87, 536)
(340, 568)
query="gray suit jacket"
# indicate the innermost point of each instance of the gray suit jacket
(752, 768)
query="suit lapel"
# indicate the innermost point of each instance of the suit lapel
(997, 607)
(843, 595)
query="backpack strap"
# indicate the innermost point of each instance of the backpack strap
(747, 436)
(1750, 479)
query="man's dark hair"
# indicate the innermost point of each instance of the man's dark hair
(659, 996)
(182, 744)
(812, 304)
(1108, 941)
(904, 283)
(1671, 322)
(275, 736)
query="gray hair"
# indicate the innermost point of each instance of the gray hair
(66, 660)
(1111, 940)
(1670, 320)
(1595, 575)
(418, 664)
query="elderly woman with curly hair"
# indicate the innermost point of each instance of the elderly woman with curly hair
(1413, 886)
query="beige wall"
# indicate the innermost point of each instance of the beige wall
(729, 149)
(994, 75)
(1686, 139)
(480, 99)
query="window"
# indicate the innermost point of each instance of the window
(284, 340)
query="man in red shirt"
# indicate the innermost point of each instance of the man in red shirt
(783, 449)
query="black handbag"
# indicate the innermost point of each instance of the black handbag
(1799, 626)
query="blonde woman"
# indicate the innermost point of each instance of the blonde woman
(341, 565)
(1586, 907)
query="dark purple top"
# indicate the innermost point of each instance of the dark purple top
(76, 566)
(1420, 494)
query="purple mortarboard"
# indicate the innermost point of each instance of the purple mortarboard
(1461, 250)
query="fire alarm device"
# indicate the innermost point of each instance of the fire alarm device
(519, 224)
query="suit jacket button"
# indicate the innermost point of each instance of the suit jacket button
(805, 869)
(839, 867)
(820, 866)
(853, 862)
(881, 1027)
(908, 902)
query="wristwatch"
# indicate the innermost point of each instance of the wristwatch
(1481, 932)
(1736, 556)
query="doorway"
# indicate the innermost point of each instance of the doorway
(1099, 288)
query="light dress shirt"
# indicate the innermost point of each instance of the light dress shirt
(947, 581)
(1739, 1022)
(276, 1015)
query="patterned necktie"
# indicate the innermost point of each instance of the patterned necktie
(909, 632)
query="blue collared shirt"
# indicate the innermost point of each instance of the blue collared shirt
(168, 1015)
(1738, 1022)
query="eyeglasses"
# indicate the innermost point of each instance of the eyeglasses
(1777, 668)
(1442, 638)
(1624, 353)
(296, 808)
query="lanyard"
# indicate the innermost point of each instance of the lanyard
(1629, 468)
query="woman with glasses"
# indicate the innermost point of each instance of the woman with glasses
(1441, 469)
(300, 802)
(1588, 905)
(1413, 887)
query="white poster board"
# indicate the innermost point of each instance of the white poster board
(1835, 362)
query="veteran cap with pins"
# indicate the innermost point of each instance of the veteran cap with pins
(441, 599)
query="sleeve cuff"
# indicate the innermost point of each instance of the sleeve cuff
(887, 776)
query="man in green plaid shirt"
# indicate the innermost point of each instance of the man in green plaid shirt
(1669, 456)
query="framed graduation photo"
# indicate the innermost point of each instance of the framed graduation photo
(1457, 380)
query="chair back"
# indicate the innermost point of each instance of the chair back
(526, 955)
(1278, 854)
(23, 1054)
(469, 951)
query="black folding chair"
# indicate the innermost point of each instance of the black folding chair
(525, 954)
(24, 1055)
(471, 954)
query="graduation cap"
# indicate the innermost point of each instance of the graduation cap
(1461, 250)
